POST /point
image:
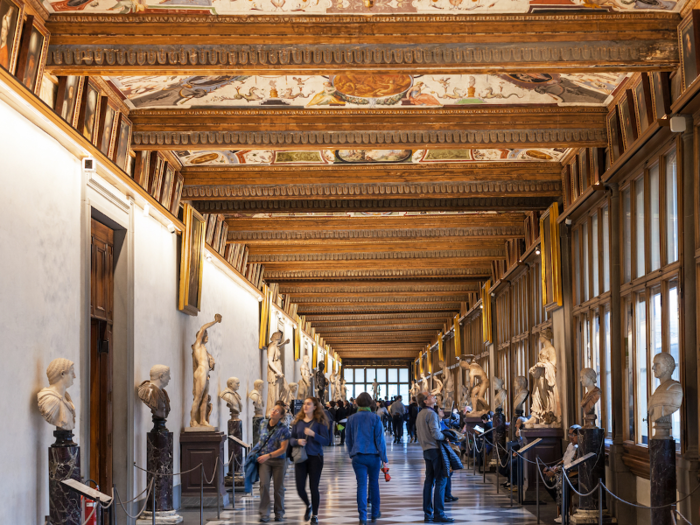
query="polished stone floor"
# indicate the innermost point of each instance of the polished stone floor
(401, 498)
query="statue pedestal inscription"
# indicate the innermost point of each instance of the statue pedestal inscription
(589, 472)
(205, 448)
(64, 463)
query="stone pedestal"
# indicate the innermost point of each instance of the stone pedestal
(64, 463)
(202, 447)
(549, 450)
(257, 420)
(662, 459)
(235, 429)
(589, 472)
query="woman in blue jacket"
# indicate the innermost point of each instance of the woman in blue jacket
(310, 430)
(364, 437)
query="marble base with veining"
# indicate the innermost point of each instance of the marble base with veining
(159, 453)
(169, 517)
(662, 460)
(64, 463)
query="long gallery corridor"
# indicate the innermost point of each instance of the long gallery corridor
(401, 498)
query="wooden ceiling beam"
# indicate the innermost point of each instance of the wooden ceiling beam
(322, 287)
(495, 246)
(399, 274)
(85, 44)
(365, 308)
(360, 326)
(424, 263)
(375, 316)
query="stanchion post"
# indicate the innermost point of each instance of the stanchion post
(483, 458)
(201, 493)
(498, 466)
(564, 498)
(153, 499)
(510, 458)
(520, 480)
(537, 490)
(600, 501)
(218, 490)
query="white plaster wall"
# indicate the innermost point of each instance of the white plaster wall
(40, 269)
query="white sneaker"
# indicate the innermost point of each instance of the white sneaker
(557, 520)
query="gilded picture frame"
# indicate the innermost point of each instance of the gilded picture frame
(11, 15)
(191, 262)
(34, 45)
(688, 43)
(550, 255)
(486, 311)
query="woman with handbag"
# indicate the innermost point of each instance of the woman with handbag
(272, 450)
(310, 434)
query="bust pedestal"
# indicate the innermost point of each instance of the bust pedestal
(589, 472)
(549, 451)
(235, 429)
(64, 463)
(257, 420)
(662, 459)
(159, 452)
(202, 446)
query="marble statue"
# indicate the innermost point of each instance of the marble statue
(546, 408)
(478, 385)
(320, 382)
(275, 376)
(232, 398)
(375, 389)
(424, 386)
(332, 391)
(437, 390)
(414, 390)
(55, 403)
(337, 395)
(464, 396)
(292, 389)
(499, 399)
(589, 377)
(449, 385)
(521, 394)
(343, 390)
(202, 363)
(667, 398)
(256, 396)
(304, 385)
(153, 393)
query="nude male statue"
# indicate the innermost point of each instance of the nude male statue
(202, 363)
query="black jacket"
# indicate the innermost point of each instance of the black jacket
(450, 459)
(413, 412)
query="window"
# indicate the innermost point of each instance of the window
(671, 208)
(606, 250)
(639, 227)
(627, 235)
(655, 218)
(641, 361)
(360, 380)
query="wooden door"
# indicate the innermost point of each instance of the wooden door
(101, 311)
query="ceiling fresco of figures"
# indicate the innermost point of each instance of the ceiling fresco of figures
(330, 7)
(364, 156)
(368, 91)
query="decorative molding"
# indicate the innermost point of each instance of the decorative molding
(378, 308)
(328, 328)
(303, 58)
(192, 140)
(389, 299)
(376, 317)
(477, 231)
(482, 273)
(369, 288)
(311, 257)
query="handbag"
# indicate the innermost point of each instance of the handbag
(299, 454)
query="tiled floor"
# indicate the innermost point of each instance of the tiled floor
(401, 498)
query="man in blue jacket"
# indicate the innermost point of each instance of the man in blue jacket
(428, 432)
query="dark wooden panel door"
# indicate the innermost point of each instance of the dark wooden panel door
(101, 307)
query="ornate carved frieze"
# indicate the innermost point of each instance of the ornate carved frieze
(306, 58)
(376, 317)
(192, 140)
(312, 257)
(378, 274)
(388, 299)
(329, 328)
(379, 308)
(389, 288)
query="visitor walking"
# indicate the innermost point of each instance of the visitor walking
(310, 431)
(429, 434)
(364, 437)
(413, 410)
(342, 415)
(383, 414)
(397, 411)
(274, 437)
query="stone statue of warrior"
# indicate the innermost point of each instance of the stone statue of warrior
(202, 363)
(321, 382)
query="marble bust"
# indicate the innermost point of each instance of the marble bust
(521, 393)
(153, 394)
(55, 404)
(256, 396)
(667, 398)
(589, 377)
(232, 398)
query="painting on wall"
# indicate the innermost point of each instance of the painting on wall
(642, 102)
(363, 156)
(10, 28)
(361, 90)
(191, 261)
(660, 94)
(89, 111)
(69, 92)
(33, 46)
(627, 120)
(121, 155)
(615, 144)
(688, 39)
(108, 121)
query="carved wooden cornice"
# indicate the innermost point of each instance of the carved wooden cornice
(379, 274)
(419, 337)
(302, 288)
(305, 140)
(384, 190)
(380, 308)
(329, 328)
(309, 257)
(300, 300)
(376, 317)
(191, 44)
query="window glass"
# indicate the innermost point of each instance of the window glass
(381, 375)
(404, 393)
(655, 218)
(639, 226)
(655, 343)
(403, 375)
(370, 374)
(595, 353)
(594, 254)
(641, 359)
(674, 347)
(349, 375)
(627, 234)
(671, 209)
(606, 380)
(606, 250)
(393, 375)
(584, 269)
(629, 367)
(577, 267)
(393, 391)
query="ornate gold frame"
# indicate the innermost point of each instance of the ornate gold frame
(486, 311)
(554, 252)
(192, 219)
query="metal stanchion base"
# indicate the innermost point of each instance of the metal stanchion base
(168, 517)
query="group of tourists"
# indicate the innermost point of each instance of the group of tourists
(362, 425)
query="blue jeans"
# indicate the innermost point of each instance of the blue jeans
(367, 466)
(434, 476)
